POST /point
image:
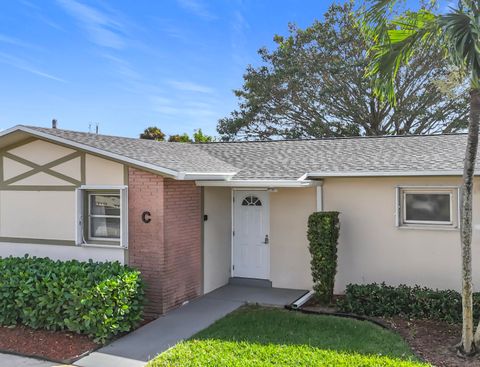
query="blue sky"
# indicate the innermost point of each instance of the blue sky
(130, 64)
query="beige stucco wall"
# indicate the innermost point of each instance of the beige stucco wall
(58, 252)
(99, 171)
(216, 237)
(289, 255)
(38, 214)
(373, 249)
(41, 152)
(48, 213)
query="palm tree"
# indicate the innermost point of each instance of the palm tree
(457, 33)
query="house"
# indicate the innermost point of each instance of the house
(193, 216)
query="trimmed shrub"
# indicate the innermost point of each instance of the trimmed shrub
(412, 302)
(323, 231)
(97, 299)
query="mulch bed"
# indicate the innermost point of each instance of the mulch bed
(58, 346)
(432, 341)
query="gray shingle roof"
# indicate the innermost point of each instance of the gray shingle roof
(179, 157)
(356, 156)
(290, 159)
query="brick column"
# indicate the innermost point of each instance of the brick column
(167, 250)
(146, 240)
(183, 251)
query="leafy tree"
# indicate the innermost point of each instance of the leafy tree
(200, 137)
(313, 85)
(153, 133)
(184, 138)
(456, 36)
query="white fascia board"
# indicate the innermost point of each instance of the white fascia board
(259, 183)
(199, 176)
(87, 148)
(385, 173)
(103, 187)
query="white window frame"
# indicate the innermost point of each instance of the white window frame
(83, 213)
(401, 213)
(90, 215)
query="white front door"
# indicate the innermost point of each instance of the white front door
(251, 243)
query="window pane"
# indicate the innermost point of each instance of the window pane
(251, 201)
(105, 204)
(105, 227)
(427, 207)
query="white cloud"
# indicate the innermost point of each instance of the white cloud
(14, 41)
(26, 66)
(123, 67)
(103, 29)
(175, 107)
(239, 25)
(190, 86)
(198, 8)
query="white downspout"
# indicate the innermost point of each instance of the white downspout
(319, 191)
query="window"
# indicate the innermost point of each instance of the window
(251, 201)
(428, 207)
(102, 216)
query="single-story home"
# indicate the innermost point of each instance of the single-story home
(193, 216)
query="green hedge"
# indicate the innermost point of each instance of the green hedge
(323, 231)
(413, 302)
(97, 299)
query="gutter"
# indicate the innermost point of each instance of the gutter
(259, 183)
(322, 174)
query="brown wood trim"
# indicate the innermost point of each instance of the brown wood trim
(36, 168)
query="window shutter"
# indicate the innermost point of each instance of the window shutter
(124, 217)
(79, 195)
(398, 207)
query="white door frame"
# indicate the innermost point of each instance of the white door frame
(232, 202)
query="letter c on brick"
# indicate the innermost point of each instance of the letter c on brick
(146, 217)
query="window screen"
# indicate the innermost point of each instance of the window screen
(427, 207)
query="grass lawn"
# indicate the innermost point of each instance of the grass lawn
(256, 336)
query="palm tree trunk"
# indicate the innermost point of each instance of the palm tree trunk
(466, 223)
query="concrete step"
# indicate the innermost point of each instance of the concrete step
(250, 282)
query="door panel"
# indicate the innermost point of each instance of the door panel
(251, 255)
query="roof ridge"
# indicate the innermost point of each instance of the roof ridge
(104, 135)
(330, 138)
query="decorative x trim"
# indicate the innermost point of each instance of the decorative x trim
(46, 168)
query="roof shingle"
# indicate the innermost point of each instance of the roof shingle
(290, 159)
(362, 155)
(178, 157)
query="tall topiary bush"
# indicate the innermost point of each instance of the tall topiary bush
(323, 231)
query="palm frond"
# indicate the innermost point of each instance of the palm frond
(405, 33)
(461, 36)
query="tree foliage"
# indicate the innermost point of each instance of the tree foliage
(200, 137)
(153, 133)
(456, 36)
(313, 85)
(177, 138)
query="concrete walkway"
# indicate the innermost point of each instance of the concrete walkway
(10, 360)
(138, 347)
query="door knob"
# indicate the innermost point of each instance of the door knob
(266, 240)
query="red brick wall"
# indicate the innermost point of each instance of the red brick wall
(146, 240)
(183, 252)
(167, 250)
